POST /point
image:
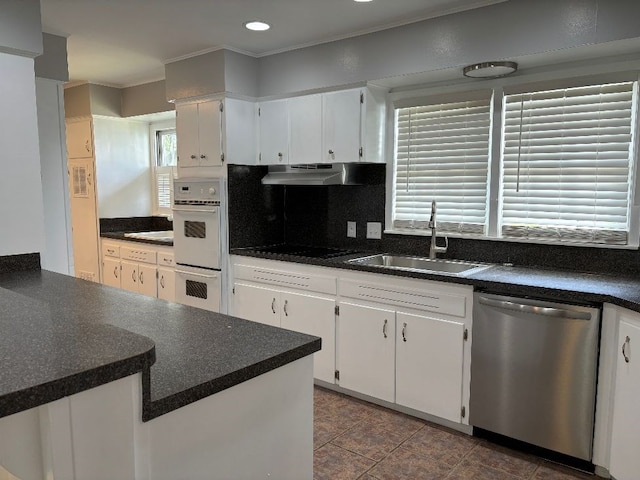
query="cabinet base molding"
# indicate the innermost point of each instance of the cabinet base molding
(467, 429)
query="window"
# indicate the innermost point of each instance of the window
(556, 164)
(166, 157)
(566, 164)
(442, 154)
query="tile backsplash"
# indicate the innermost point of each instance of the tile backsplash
(308, 215)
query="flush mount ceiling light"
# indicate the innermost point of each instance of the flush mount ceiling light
(257, 26)
(362, 1)
(490, 69)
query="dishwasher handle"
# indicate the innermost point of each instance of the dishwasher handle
(536, 309)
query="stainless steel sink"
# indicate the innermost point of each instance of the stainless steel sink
(420, 264)
(165, 235)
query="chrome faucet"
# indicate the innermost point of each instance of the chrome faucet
(434, 249)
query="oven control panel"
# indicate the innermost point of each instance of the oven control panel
(197, 191)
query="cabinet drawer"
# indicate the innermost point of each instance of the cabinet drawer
(419, 299)
(138, 254)
(283, 278)
(110, 250)
(166, 259)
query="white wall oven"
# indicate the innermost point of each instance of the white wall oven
(197, 241)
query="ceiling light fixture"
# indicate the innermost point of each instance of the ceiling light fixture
(362, 1)
(257, 26)
(490, 69)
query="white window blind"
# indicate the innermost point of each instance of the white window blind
(164, 187)
(566, 164)
(442, 154)
(165, 169)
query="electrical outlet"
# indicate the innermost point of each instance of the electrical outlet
(374, 230)
(351, 229)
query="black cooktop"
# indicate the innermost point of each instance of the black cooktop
(304, 251)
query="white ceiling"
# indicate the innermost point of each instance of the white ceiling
(127, 42)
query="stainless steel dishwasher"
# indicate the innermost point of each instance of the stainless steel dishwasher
(533, 372)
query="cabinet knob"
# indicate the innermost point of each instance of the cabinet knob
(280, 156)
(330, 152)
(203, 156)
(193, 157)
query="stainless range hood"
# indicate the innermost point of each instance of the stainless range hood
(316, 174)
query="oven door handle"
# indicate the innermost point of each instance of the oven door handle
(184, 273)
(196, 210)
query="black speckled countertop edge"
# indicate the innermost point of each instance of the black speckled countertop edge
(557, 285)
(120, 236)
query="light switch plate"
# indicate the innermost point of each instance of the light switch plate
(351, 229)
(374, 230)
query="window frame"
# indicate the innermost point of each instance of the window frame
(501, 87)
(154, 128)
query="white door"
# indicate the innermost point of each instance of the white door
(147, 283)
(167, 284)
(257, 304)
(111, 272)
(79, 139)
(313, 316)
(129, 276)
(625, 460)
(305, 142)
(187, 135)
(273, 122)
(342, 126)
(84, 219)
(429, 358)
(366, 350)
(210, 133)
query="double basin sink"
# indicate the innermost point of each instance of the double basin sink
(420, 264)
(164, 236)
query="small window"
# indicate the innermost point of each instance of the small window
(442, 154)
(567, 164)
(166, 159)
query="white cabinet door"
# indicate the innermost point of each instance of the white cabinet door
(625, 460)
(313, 316)
(342, 126)
(366, 350)
(129, 276)
(305, 118)
(167, 284)
(187, 135)
(111, 272)
(210, 133)
(257, 304)
(147, 283)
(273, 121)
(79, 139)
(429, 359)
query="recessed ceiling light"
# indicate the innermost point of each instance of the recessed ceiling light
(257, 26)
(362, 1)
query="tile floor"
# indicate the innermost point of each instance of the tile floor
(358, 440)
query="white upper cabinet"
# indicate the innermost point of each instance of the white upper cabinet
(273, 121)
(342, 122)
(80, 139)
(213, 132)
(305, 142)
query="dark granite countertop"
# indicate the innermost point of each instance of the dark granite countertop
(120, 236)
(561, 285)
(62, 335)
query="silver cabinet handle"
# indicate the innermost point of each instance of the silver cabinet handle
(203, 156)
(193, 157)
(536, 309)
(115, 271)
(162, 281)
(627, 341)
(384, 328)
(141, 281)
(133, 276)
(273, 306)
(86, 145)
(404, 332)
(286, 303)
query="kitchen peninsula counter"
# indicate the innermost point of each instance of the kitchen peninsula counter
(62, 335)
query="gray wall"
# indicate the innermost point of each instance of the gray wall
(77, 101)
(196, 76)
(143, 99)
(501, 31)
(20, 27)
(52, 64)
(240, 74)
(105, 101)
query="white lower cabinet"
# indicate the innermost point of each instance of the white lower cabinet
(429, 364)
(258, 304)
(625, 433)
(166, 286)
(366, 349)
(111, 274)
